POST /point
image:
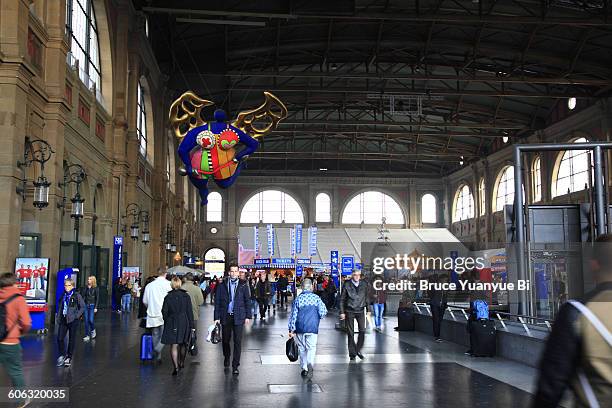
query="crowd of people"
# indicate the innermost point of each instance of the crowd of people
(169, 309)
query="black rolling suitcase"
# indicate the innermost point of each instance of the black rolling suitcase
(483, 338)
(405, 319)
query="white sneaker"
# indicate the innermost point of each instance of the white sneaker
(86, 339)
(93, 334)
(60, 361)
(67, 362)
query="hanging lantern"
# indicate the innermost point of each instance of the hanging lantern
(41, 193)
(168, 246)
(77, 206)
(134, 232)
(172, 248)
(146, 237)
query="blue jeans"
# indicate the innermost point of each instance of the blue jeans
(126, 301)
(307, 345)
(379, 308)
(254, 307)
(89, 319)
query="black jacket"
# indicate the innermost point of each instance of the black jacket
(355, 299)
(178, 317)
(567, 351)
(282, 283)
(91, 296)
(242, 302)
(266, 289)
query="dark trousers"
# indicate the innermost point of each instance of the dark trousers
(226, 336)
(263, 306)
(437, 316)
(10, 359)
(70, 329)
(283, 297)
(353, 348)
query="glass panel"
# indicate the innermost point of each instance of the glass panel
(28, 246)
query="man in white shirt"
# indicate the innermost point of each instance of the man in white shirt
(153, 299)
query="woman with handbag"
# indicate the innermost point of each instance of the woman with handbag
(178, 323)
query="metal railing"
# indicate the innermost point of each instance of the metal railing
(528, 323)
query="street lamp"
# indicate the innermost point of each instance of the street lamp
(40, 152)
(133, 210)
(74, 173)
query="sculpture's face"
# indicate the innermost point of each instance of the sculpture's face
(206, 139)
(228, 139)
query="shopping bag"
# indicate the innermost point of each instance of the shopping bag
(291, 349)
(193, 343)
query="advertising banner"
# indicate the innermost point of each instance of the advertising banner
(298, 239)
(312, 240)
(334, 267)
(270, 234)
(256, 240)
(292, 239)
(299, 270)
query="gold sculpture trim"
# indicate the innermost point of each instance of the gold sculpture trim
(185, 115)
(246, 119)
(191, 106)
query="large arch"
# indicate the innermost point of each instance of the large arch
(365, 206)
(266, 203)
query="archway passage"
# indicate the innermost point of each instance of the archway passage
(214, 262)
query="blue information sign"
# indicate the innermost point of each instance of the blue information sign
(312, 241)
(348, 264)
(299, 270)
(302, 261)
(282, 260)
(117, 265)
(261, 261)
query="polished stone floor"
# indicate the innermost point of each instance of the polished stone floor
(400, 369)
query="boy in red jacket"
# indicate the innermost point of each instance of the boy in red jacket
(17, 323)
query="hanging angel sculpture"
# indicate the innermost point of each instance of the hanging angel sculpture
(209, 150)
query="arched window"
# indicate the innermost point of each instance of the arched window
(323, 208)
(81, 24)
(272, 206)
(482, 196)
(573, 172)
(464, 204)
(371, 207)
(214, 208)
(141, 123)
(429, 209)
(536, 174)
(214, 261)
(170, 164)
(505, 188)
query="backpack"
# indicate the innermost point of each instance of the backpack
(4, 330)
(481, 309)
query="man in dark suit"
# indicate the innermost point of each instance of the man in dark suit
(233, 311)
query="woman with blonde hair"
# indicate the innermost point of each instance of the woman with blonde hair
(91, 296)
(178, 323)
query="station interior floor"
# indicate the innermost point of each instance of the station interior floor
(399, 370)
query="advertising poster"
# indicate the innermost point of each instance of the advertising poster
(32, 278)
(131, 272)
